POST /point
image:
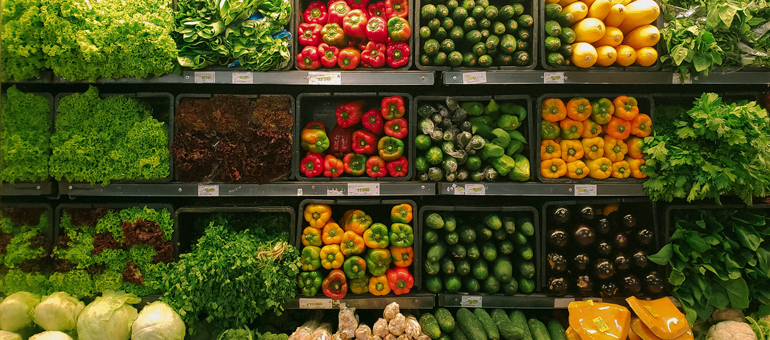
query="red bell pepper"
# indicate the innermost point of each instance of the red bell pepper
(364, 142)
(377, 29)
(372, 121)
(309, 34)
(308, 58)
(315, 125)
(355, 164)
(396, 8)
(349, 114)
(377, 9)
(396, 128)
(316, 13)
(333, 166)
(334, 285)
(337, 11)
(358, 4)
(349, 58)
(399, 280)
(312, 165)
(398, 168)
(333, 35)
(354, 23)
(397, 55)
(328, 55)
(340, 140)
(398, 29)
(375, 167)
(392, 107)
(373, 55)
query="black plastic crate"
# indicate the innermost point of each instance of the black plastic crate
(531, 7)
(646, 105)
(660, 47)
(532, 211)
(49, 231)
(379, 210)
(322, 106)
(299, 7)
(52, 114)
(643, 209)
(161, 106)
(523, 100)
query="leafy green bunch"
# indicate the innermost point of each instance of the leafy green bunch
(718, 258)
(99, 140)
(18, 250)
(711, 149)
(21, 47)
(25, 137)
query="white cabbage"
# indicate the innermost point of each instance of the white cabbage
(109, 317)
(16, 311)
(158, 321)
(9, 336)
(50, 336)
(58, 312)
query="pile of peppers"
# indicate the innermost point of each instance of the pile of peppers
(370, 142)
(600, 138)
(356, 255)
(352, 33)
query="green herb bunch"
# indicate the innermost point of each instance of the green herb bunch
(21, 260)
(25, 136)
(711, 149)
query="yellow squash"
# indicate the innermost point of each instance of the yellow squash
(599, 321)
(565, 3)
(631, 334)
(599, 9)
(660, 318)
(612, 37)
(583, 55)
(616, 16)
(626, 55)
(646, 56)
(606, 55)
(638, 13)
(589, 30)
(642, 36)
(579, 10)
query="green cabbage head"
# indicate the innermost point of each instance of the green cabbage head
(51, 336)
(58, 312)
(158, 321)
(109, 317)
(16, 311)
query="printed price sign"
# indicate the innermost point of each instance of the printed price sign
(585, 190)
(334, 192)
(208, 190)
(243, 78)
(553, 78)
(474, 78)
(475, 189)
(324, 78)
(315, 303)
(205, 77)
(471, 301)
(562, 302)
(363, 189)
(459, 189)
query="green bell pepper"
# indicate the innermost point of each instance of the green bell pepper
(401, 235)
(354, 267)
(520, 171)
(502, 138)
(310, 258)
(377, 236)
(517, 111)
(491, 151)
(310, 282)
(473, 108)
(508, 122)
(549, 130)
(503, 164)
(360, 285)
(391, 148)
(492, 107)
(378, 261)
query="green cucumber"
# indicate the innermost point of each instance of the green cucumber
(432, 267)
(430, 326)
(556, 330)
(445, 320)
(433, 284)
(486, 321)
(507, 330)
(470, 325)
(538, 330)
(458, 334)
(437, 251)
(520, 321)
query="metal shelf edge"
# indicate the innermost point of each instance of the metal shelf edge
(27, 189)
(365, 301)
(540, 189)
(609, 77)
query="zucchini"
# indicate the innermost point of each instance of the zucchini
(470, 325)
(538, 330)
(458, 334)
(556, 330)
(445, 320)
(526, 226)
(507, 330)
(430, 326)
(519, 320)
(486, 321)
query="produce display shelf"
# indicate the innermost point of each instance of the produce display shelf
(519, 301)
(27, 189)
(587, 77)
(251, 190)
(540, 189)
(365, 301)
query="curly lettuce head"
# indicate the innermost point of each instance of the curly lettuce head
(16, 311)
(158, 321)
(51, 335)
(109, 317)
(58, 312)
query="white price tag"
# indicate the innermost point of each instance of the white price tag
(315, 303)
(299, 191)
(324, 78)
(363, 189)
(334, 191)
(585, 189)
(471, 301)
(553, 78)
(459, 190)
(562, 302)
(208, 190)
(475, 189)
(677, 79)
(475, 77)
(205, 77)
(243, 78)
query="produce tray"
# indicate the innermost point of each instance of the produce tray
(49, 231)
(660, 23)
(321, 107)
(184, 96)
(643, 218)
(182, 215)
(298, 9)
(51, 112)
(523, 100)
(537, 258)
(117, 206)
(155, 101)
(532, 7)
(646, 105)
(381, 215)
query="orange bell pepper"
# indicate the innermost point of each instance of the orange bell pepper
(626, 107)
(553, 168)
(311, 237)
(635, 146)
(593, 147)
(332, 233)
(571, 150)
(402, 257)
(577, 169)
(591, 129)
(317, 215)
(549, 149)
(378, 285)
(356, 221)
(571, 129)
(641, 126)
(554, 110)
(352, 244)
(331, 257)
(637, 166)
(401, 213)
(621, 169)
(579, 109)
(614, 149)
(618, 128)
(599, 168)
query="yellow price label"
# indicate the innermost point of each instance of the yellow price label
(652, 311)
(601, 325)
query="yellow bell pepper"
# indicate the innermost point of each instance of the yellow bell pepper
(614, 149)
(553, 168)
(549, 149)
(317, 215)
(636, 165)
(599, 168)
(577, 169)
(621, 169)
(378, 285)
(311, 237)
(356, 221)
(332, 233)
(571, 150)
(591, 129)
(635, 146)
(331, 257)
(593, 148)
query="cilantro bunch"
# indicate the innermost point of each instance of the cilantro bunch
(711, 149)
(25, 137)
